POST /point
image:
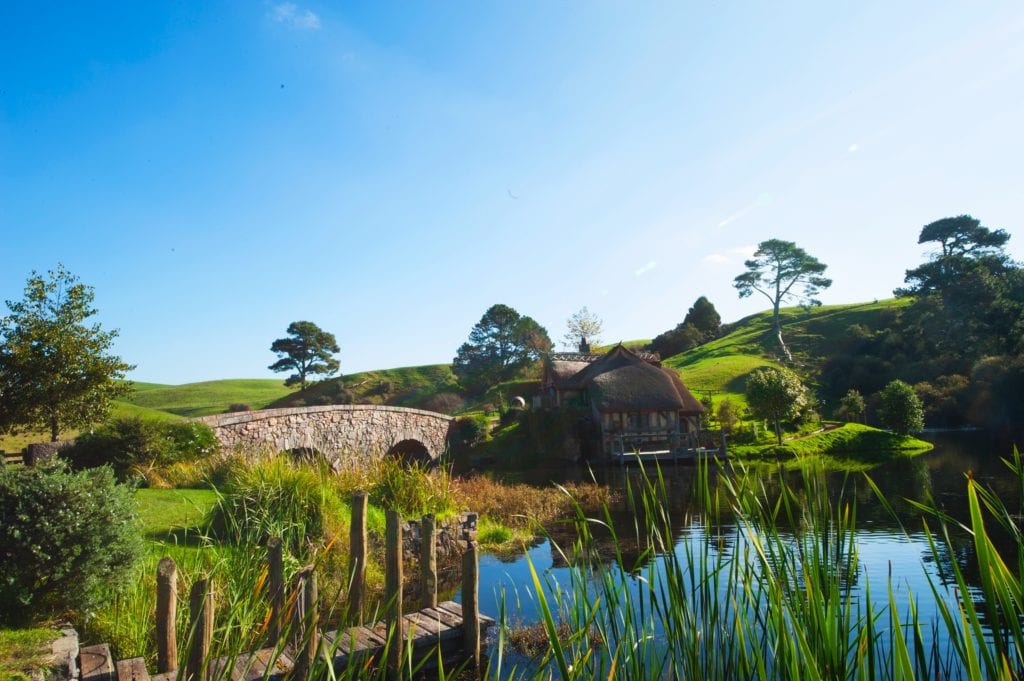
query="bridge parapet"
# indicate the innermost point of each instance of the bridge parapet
(333, 430)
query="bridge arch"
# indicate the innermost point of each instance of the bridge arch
(337, 431)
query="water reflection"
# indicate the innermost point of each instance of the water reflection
(890, 542)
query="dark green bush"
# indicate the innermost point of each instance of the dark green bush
(471, 430)
(123, 443)
(68, 540)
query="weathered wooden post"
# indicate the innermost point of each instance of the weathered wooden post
(428, 560)
(471, 603)
(306, 635)
(275, 567)
(166, 611)
(357, 559)
(200, 604)
(393, 592)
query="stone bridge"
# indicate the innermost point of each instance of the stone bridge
(412, 434)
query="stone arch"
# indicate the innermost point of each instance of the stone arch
(411, 451)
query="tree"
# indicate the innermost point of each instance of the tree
(775, 394)
(584, 330)
(726, 414)
(56, 371)
(781, 271)
(307, 350)
(701, 324)
(500, 345)
(851, 406)
(900, 409)
(705, 318)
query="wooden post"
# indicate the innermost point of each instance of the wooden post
(305, 633)
(393, 591)
(200, 603)
(357, 559)
(166, 612)
(471, 604)
(275, 567)
(428, 560)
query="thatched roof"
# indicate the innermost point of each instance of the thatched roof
(623, 381)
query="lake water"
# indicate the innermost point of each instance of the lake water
(891, 550)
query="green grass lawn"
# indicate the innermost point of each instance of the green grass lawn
(118, 409)
(210, 397)
(851, 446)
(164, 511)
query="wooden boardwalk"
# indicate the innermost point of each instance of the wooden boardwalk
(428, 631)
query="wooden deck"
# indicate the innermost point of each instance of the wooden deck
(428, 631)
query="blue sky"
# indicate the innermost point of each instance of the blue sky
(390, 170)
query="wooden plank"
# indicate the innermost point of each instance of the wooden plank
(165, 676)
(432, 628)
(263, 664)
(447, 617)
(96, 663)
(456, 609)
(132, 670)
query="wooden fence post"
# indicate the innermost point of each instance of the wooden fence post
(393, 592)
(471, 604)
(201, 627)
(275, 567)
(166, 612)
(306, 634)
(428, 560)
(357, 559)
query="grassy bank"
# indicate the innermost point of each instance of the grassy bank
(210, 397)
(850, 444)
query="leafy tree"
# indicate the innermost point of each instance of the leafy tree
(703, 316)
(781, 271)
(307, 350)
(776, 395)
(900, 409)
(584, 330)
(56, 371)
(851, 406)
(726, 414)
(701, 324)
(500, 345)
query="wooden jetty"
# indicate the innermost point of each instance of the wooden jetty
(676, 452)
(446, 633)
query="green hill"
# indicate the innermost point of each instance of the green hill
(209, 397)
(432, 386)
(720, 367)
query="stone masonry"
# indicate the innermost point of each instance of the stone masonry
(334, 430)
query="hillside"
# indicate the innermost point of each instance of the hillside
(432, 386)
(720, 367)
(209, 397)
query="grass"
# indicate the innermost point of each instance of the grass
(118, 409)
(210, 397)
(851, 446)
(163, 512)
(417, 386)
(24, 652)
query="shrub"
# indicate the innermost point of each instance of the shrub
(67, 540)
(413, 491)
(238, 406)
(471, 430)
(900, 408)
(127, 442)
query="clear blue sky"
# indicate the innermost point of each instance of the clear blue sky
(390, 170)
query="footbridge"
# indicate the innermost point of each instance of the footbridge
(334, 430)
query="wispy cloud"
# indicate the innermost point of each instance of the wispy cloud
(762, 200)
(293, 16)
(645, 269)
(853, 148)
(732, 256)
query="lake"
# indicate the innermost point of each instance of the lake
(891, 546)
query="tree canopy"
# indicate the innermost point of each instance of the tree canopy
(782, 271)
(500, 345)
(583, 330)
(775, 394)
(900, 409)
(307, 350)
(701, 324)
(56, 370)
